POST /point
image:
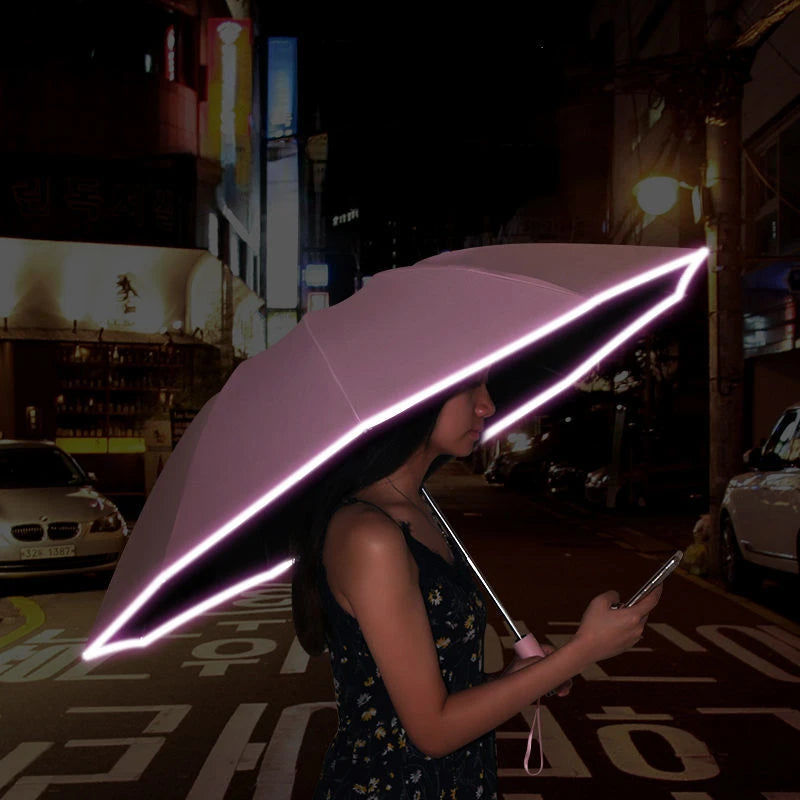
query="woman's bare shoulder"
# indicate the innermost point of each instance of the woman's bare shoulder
(362, 526)
(366, 557)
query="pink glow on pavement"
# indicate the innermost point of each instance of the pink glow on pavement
(689, 263)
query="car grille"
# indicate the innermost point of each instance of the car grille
(27, 533)
(62, 530)
(44, 564)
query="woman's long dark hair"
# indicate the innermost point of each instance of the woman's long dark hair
(382, 451)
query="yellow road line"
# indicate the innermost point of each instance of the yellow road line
(34, 617)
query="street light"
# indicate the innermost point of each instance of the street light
(657, 194)
(717, 204)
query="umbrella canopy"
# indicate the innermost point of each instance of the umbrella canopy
(409, 335)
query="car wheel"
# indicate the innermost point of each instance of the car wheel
(735, 570)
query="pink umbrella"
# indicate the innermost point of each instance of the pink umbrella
(409, 335)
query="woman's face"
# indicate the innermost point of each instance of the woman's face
(460, 422)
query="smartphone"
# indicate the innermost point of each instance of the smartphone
(658, 577)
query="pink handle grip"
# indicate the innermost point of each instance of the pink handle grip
(527, 646)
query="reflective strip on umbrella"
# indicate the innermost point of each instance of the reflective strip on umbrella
(540, 315)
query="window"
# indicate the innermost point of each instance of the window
(780, 445)
(773, 190)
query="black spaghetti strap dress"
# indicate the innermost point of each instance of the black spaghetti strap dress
(371, 755)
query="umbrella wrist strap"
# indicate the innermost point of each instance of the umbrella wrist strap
(527, 647)
(536, 725)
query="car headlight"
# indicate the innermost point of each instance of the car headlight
(110, 522)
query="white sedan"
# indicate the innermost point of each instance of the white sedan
(760, 514)
(51, 519)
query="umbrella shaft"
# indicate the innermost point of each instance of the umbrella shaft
(472, 564)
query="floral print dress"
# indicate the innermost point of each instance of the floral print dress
(371, 756)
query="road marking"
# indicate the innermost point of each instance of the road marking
(50, 636)
(296, 659)
(231, 747)
(213, 669)
(37, 665)
(279, 766)
(714, 633)
(626, 714)
(86, 671)
(251, 755)
(250, 625)
(34, 618)
(594, 672)
(791, 716)
(695, 757)
(22, 756)
(676, 637)
(784, 636)
(139, 752)
(166, 718)
(561, 757)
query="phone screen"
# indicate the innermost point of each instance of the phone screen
(656, 579)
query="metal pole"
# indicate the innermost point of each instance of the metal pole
(472, 564)
(723, 234)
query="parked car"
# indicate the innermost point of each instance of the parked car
(760, 512)
(565, 479)
(681, 484)
(521, 460)
(52, 521)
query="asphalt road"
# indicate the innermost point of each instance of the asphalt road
(707, 706)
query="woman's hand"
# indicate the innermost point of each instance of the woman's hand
(606, 631)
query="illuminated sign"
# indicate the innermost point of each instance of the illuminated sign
(283, 188)
(229, 91)
(348, 216)
(318, 300)
(316, 274)
(281, 87)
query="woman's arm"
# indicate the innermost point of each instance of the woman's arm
(368, 562)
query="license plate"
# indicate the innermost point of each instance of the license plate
(56, 551)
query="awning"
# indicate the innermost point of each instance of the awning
(71, 290)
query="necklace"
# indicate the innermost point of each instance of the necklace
(427, 514)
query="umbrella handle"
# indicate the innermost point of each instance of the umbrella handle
(527, 646)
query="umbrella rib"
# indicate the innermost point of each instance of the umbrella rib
(330, 368)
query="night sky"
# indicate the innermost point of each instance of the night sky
(440, 121)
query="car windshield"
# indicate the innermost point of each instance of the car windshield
(36, 467)
(784, 440)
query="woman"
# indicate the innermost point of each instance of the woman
(379, 585)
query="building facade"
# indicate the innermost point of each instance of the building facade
(130, 226)
(668, 89)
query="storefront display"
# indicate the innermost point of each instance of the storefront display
(106, 392)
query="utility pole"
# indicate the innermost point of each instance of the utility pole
(713, 86)
(723, 236)
(731, 54)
